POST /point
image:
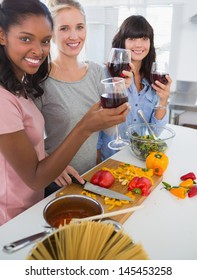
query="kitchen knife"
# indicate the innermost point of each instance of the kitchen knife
(99, 190)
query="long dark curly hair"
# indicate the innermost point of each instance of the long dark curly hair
(136, 26)
(12, 12)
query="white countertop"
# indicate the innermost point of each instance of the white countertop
(166, 226)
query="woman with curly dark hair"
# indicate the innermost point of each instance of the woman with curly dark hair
(25, 34)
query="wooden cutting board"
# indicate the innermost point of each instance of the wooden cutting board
(110, 163)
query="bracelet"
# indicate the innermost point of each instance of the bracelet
(161, 107)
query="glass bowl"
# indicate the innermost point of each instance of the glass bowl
(142, 143)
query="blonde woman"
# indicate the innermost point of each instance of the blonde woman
(73, 86)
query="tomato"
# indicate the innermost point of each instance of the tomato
(103, 178)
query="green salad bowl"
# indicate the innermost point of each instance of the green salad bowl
(142, 142)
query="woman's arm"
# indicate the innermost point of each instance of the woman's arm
(19, 152)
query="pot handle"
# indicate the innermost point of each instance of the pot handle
(19, 244)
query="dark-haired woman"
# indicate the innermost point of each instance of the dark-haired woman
(25, 34)
(137, 34)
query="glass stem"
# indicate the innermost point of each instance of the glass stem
(118, 137)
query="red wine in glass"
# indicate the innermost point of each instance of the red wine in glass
(159, 77)
(115, 69)
(114, 94)
(113, 100)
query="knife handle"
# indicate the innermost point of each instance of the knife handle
(75, 181)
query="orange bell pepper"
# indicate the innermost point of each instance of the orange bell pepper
(158, 170)
(178, 191)
(158, 161)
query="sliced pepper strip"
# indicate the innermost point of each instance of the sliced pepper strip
(88, 194)
(114, 202)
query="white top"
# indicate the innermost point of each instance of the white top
(166, 226)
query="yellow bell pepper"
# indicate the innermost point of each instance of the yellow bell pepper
(187, 183)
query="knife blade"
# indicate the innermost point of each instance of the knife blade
(99, 190)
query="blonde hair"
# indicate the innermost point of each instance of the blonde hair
(55, 6)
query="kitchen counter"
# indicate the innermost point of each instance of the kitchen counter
(166, 226)
(184, 99)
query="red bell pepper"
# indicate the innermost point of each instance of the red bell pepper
(103, 178)
(142, 183)
(193, 191)
(189, 175)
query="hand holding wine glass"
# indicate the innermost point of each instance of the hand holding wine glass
(114, 93)
(119, 60)
(159, 70)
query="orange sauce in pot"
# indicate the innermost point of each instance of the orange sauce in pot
(65, 217)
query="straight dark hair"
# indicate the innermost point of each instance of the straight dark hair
(13, 12)
(136, 26)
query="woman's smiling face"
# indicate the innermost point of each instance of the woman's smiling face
(139, 47)
(69, 31)
(27, 44)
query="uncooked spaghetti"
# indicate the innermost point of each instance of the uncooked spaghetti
(88, 240)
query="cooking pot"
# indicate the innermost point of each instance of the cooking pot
(63, 209)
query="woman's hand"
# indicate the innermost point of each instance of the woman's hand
(64, 179)
(38, 174)
(128, 75)
(163, 91)
(98, 118)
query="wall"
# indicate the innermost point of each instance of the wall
(187, 45)
(102, 25)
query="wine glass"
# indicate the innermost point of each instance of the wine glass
(114, 93)
(119, 60)
(159, 70)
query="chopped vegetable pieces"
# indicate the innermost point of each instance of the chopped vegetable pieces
(112, 202)
(126, 172)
